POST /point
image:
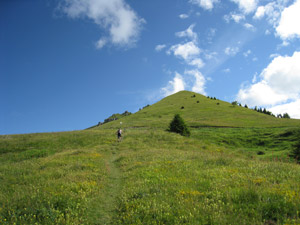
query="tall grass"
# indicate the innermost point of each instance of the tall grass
(234, 169)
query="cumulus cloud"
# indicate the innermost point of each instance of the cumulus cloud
(183, 16)
(288, 26)
(249, 26)
(271, 11)
(293, 108)
(235, 17)
(205, 4)
(231, 51)
(197, 63)
(185, 51)
(158, 48)
(191, 80)
(260, 94)
(189, 33)
(189, 52)
(260, 12)
(101, 43)
(282, 17)
(226, 70)
(114, 16)
(279, 84)
(246, 6)
(199, 81)
(247, 53)
(173, 86)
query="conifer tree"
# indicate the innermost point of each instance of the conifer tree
(178, 125)
(296, 151)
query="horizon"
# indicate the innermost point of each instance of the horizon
(66, 65)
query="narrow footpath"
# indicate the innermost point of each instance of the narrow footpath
(104, 207)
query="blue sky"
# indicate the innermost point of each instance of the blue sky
(68, 64)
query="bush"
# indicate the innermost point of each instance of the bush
(234, 103)
(296, 152)
(178, 125)
(260, 153)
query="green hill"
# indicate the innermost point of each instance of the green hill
(200, 111)
(233, 169)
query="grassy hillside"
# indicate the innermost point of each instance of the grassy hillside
(216, 176)
(200, 111)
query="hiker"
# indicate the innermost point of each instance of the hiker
(119, 133)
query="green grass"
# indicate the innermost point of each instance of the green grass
(206, 113)
(152, 176)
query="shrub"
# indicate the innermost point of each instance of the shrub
(234, 103)
(178, 125)
(260, 153)
(296, 152)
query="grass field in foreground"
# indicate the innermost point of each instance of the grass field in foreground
(151, 177)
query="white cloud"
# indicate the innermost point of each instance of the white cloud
(114, 16)
(100, 44)
(254, 79)
(260, 94)
(175, 85)
(211, 55)
(185, 51)
(197, 63)
(293, 109)
(247, 53)
(279, 84)
(158, 48)
(188, 33)
(288, 27)
(226, 70)
(205, 4)
(231, 51)
(247, 6)
(183, 16)
(260, 12)
(271, 11)
(235, 17)
(199, 81)
(274, 55)
(249, 26)
(191, 80)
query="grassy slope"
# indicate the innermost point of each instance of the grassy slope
(152, 176)
(205, 113)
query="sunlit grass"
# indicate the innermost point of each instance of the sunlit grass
(233, 169)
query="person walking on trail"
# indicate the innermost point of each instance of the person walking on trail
(119, 134)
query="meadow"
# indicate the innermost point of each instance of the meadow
(237, 174)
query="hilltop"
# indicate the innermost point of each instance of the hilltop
(200, 111)
(233, 169)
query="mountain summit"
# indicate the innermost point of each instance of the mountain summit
(200, 111)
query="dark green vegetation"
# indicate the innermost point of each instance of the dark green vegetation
(296, 150)
(233, 169)
(178, 125)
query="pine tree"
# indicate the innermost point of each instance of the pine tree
(178, 125)
(296, 152)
